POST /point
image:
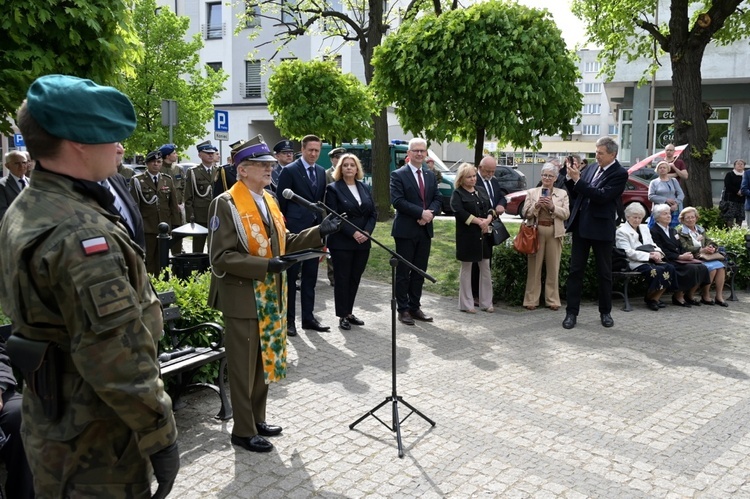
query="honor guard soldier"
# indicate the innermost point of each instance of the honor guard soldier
(284, 154)
(86, 320)
(199, 183)
(156, 197)
(170, 167)
(227, 174)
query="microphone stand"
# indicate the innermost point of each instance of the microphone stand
(394, 397)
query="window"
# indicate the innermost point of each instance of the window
(592, 88)
(592, 67)
(216, 66)
(592, 109)
(214, 28)
(591, 129)
(718, 131)
(251, 88)
(613, 130)
(286, 14)
(336, 59)
(252, 13)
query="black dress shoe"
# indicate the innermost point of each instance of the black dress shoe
(607, 320)
(353, 319)
(405, 318)
(291, 330)
(707, 302)
(679, 303)
(652, 305)
(419, 315)
(722, 303)
(315, 326)
(661, 304)
(344, 324)
(268, 430)
(569, 322)
(253, 444)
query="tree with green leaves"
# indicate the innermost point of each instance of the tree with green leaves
(494, 69)
(619, 27)
(91, 39)
(169, 69)
(340, 112)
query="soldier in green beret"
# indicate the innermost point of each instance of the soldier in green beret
(86, 321)
(156, 197)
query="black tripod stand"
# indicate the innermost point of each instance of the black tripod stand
(394, 397)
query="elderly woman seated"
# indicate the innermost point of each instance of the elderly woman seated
(693, 239)
(691, 273)
(644, 256)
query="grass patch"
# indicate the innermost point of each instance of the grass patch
(443, 265)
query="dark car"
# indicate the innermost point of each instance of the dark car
(636, 191)
(510, 179)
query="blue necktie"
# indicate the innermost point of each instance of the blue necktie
(311, 174)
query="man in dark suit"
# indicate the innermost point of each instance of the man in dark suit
(308, 180)
(416, 199)
(595, 195)
(487, 181)
(10, 186)
(124, 205)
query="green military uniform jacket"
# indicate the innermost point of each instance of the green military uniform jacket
(198, 193)
(178, 179)
(157, 203)
(72, 275)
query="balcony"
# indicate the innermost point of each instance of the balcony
(252, 90)
(214, 31)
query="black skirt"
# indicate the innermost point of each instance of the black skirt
(691, 274)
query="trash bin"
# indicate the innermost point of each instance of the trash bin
(187, 263)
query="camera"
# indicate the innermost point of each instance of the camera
(545, 192)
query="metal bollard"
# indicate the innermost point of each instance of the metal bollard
(164, 240)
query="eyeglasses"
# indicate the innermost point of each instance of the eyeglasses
(549, 176)
(418, 151)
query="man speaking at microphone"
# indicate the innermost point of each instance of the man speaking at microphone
(307, 180)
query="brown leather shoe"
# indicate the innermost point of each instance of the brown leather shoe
(405, 317)
(419, 315)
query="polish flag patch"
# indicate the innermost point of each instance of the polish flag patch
(94, 245)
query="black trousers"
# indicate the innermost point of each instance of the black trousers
(579, 255)
(307, 271)
(348, 267)
(409, 284)
(19, 483)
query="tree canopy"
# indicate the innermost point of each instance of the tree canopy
(496, 68)
(91, 39)
(169, 69)
(340, 111)
(627, 30)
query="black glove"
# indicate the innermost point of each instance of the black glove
(166, 464)
(278, 265)
(329, 225)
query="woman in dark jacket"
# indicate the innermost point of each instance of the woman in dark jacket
(733, 206)
(691, 273)
(473, 212)
(349, 248)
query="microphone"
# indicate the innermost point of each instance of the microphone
(290, 195)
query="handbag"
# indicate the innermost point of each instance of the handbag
(648, 248)
(527, 239)
(499, 232)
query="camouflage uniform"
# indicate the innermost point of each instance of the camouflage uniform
(198, 195)
(71, 275)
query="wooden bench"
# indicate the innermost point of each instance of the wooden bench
(182, 360)
(626, 277)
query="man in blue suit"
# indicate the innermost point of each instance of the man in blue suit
(416, 199)
(594, 195)
(307, 180)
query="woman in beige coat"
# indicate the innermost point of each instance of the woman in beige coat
(548, 207)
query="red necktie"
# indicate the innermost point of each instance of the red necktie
(421, 185)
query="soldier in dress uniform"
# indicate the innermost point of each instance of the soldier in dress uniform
(283, 151)
(156, 197)
(85, 318)
(169, 166)
(227, 174)
(199, 183)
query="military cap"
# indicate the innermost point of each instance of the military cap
(253, 152)
(153, 156)
(206, 146)
(167, 149)
(234, 147)
(79, 110)
(283, 146)
(336, 152)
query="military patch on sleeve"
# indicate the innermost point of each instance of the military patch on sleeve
(214, 223)
(94, 245)
(111, 296)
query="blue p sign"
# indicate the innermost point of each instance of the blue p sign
(221, 121)
(18, 140)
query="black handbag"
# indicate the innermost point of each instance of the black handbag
(648, 248)
(499, 232)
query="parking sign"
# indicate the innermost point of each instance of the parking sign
(221, 125)
(18, 140)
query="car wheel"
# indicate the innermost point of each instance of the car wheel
(520, 209)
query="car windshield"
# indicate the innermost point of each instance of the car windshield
(439, 165)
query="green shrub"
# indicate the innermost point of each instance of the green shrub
(733, 241)
(710, 218)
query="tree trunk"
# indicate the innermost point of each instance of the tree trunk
(479, 145)
(690, 125)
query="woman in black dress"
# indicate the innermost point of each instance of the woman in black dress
(733, 201)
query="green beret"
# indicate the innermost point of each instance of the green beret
(80, 110)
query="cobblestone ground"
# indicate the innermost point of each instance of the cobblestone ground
(657, 406)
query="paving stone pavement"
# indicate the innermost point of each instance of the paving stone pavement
(657, 406)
